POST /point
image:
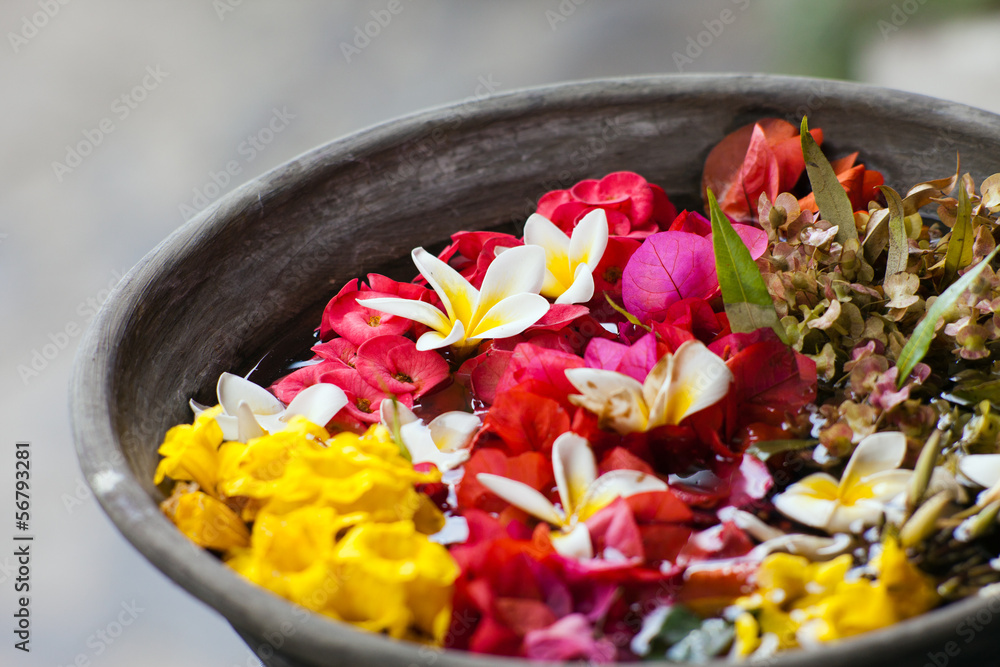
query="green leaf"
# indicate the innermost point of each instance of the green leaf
(899, 248)
(627, 315)
(962, 235)
(765, 449)
(748, 303)
(923, 333)
(679, 635)
(831, 198)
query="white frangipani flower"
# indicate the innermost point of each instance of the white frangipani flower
(444, 441)
(249, 410)
(569, 261)
(507, 303)
(984, 470)
(871, 482)
(680, 384)
(581, 493)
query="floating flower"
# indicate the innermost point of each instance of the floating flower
(581, 493)
(871, 480)
(569, 261)
(191, 451)
(507, 304)
(249, 410)
(800, 603)
(634, 206)
(207, 521)
(680, 384)
(444, 441)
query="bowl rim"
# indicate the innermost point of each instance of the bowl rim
(255, 610)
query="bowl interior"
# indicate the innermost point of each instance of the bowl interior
(262, 263)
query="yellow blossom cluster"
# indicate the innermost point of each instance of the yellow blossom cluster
(802, 603)
(336, 524)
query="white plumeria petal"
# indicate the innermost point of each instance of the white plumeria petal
(656, 390)
(456, 293)
(615, 398)
(232, 389)
(574, 469)
(855, 518)
(519, 271)
(318, 403)
(582, 289)
(432, 340)
(886, 485)
(750, 523)
(877, 452)
(197, 408)
(510, 316)
(813, 547)
(419, 442)
(539, 231)
(810, 501)
(453, 431)
(983, 469)
(230, 426)
(700, 378)
(616, 484)
(522, 496)
(411, 309)
(589, 240)
(574, 544)
(247, 425)
(393, 415)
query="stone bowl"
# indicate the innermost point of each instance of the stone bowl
(264, 260)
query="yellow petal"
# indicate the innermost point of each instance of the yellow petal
(206, 521)
(616, 484)
(457, 295)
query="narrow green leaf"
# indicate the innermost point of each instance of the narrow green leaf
(962, 235)
(831, 198)
(923, 333)
(899, 248)
(627, 315)
(748, 303)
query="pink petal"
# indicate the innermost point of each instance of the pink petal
(693, 223)
(356, 323)
(364, 400)
(337, 349)
(288, 387)
(668, 267)
(614, 526)
(393, 365)
(570, 638)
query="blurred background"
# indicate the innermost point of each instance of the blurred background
(120, 120)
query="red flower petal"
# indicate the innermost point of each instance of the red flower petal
(337, 349)
(530, 468)
(393, 365)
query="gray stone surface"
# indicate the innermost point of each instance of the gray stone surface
(67, 234)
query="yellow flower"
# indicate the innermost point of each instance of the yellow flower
(255, 470)
(208, 522)
(394, 578)
(799, 602)
(289, 554)
(350, 474)
(191, 452)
